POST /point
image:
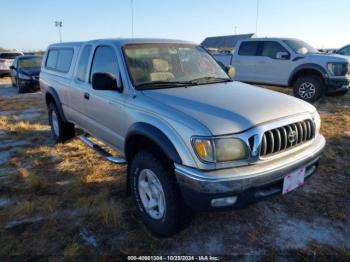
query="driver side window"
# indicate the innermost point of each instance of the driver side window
(270, 49)
(104, 61)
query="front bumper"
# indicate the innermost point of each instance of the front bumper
(29, 85)
(335, 85)
(249, 183)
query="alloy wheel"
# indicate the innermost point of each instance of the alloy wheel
(307, 90)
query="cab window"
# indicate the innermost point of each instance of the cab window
(249, 48)
(59, 59)
(83, 63)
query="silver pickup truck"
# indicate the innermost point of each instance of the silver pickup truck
(289, 62)
(192, 137)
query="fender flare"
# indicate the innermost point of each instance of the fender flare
(309, 66)
(57, 101)
(155, 135)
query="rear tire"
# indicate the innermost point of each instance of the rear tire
(309, 88)
(153, 181)
(60, 130)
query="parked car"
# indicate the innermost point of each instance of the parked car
(6, 60)
(25, 72)
(289, 62)
(327, 50)
(345, 50)
(192, 138)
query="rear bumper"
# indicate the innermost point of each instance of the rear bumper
(250, 183)
(5, 72)
(335, 85)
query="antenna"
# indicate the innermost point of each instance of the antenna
(257, 16)
(132, 18)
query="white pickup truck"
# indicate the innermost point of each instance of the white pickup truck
(289, 62)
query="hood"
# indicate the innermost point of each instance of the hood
(228, 108)
(31, 71)
(330, 57)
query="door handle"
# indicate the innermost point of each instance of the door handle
(87, 96)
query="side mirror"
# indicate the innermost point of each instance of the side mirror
(12, 67)
(282, 55)
(302, 51)
(231, 71)
(105, 81)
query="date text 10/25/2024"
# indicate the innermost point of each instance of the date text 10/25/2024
(173, 258)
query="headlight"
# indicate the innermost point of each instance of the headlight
(23, 76)
(317, 119)
(337, 69)
(220, 149)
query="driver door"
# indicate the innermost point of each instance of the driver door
(105, 108)
(271, 69)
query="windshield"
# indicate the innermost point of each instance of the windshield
(30, 62)
(300, 47)
(168, 65)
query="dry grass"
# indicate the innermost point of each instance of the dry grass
(72, 188)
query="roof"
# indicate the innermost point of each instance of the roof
(124, 41)
(228, 41)
(11, 52)
(70, 44)
(272, 39)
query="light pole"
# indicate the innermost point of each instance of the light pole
(132, 18)
(257, 16)
(59, 25)
(235, 30)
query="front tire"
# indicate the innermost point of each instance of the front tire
(20, 89)
(309, 88)
(156, 195)
(60, 130)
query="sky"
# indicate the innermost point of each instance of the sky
(29, 24)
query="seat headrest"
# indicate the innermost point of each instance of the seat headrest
(160, 65)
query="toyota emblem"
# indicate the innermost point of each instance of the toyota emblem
(292, 136)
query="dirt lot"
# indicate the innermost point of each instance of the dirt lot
(64, 201)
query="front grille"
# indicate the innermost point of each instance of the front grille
(285, 137)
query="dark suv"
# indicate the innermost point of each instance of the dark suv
(25, 72)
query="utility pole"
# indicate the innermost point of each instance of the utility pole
(257, 16)
(235, 30)
(59, 25)
(132, 18)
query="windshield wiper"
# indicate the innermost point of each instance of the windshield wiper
(160, 84)
(194, 82)
(210, 80)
